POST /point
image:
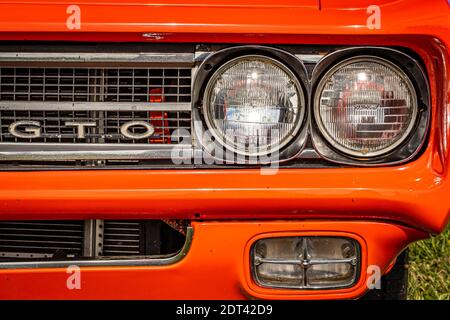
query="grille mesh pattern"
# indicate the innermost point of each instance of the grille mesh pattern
(95, 84)
(92, 85)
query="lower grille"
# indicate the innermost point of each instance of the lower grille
(90, 239)
(122, 238)
(41, 239)
(128, 238)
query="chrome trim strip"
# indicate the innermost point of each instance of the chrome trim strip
(303, 262)
(200, 56)
(85, 151)
(310, 58)
(127, 58)
(309, 153)
(88, 249)
(94, 106)
(125, 262)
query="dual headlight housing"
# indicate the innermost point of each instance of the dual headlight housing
(361, 106)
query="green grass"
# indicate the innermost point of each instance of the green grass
(429, 268)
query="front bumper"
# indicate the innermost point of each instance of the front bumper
(412, 194)
(216, 266)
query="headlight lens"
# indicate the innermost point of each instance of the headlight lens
(306, 262)
(365, 106)
(254, 105)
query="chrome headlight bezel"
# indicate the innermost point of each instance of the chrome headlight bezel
(222, 139)
(412, 144)
(210, 65)
(370, 59)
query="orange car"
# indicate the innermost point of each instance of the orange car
(220, 149)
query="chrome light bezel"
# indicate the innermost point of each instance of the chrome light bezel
(349, 61)
(210, 62)
(413, 144)
(300, 117)
(306, 285)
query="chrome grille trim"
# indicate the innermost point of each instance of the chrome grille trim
(128, 58)
(28, 151)
(97, 106)
(109, 89)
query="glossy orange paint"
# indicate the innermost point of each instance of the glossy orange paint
(349, 200)
(410, 198)
(216, 267)
(415, 194)
(238, 17)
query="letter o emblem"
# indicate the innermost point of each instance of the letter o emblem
(126, 132)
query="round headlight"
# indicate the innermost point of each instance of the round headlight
(253, 105)
(365, 106)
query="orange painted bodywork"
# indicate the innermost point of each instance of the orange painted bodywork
(216, 267)
(411, 199)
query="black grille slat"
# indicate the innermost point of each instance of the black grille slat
(69, 240)
(122, 238)
(33, 237)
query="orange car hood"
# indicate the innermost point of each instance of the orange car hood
(221, 16)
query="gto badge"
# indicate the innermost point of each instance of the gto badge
(32, 129)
